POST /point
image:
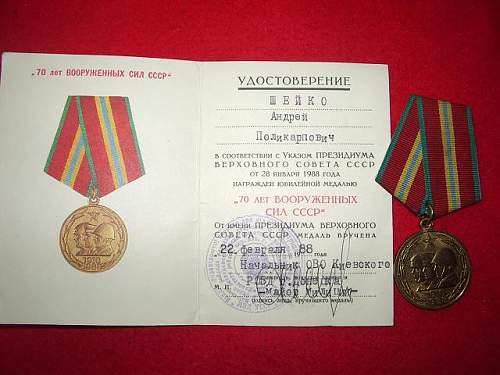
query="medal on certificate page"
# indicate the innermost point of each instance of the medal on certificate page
(95, 151)
(431, 167)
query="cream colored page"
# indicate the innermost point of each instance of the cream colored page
(293, 228)
(155, 281)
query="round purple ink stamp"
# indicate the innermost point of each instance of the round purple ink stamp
(251, 263)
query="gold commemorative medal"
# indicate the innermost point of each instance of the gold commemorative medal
(431, 167)
(93, 238)
(95, 152)
(432, 269)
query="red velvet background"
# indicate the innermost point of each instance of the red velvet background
(443, 49)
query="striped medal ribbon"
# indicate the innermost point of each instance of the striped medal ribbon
(431, 167)
(95, 151)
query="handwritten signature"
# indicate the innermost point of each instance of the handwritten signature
(322, 281)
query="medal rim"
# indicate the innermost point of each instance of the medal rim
(125, 242)
(398, 276)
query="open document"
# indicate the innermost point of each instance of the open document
(142, 191)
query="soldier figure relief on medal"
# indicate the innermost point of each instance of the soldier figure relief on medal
(432, 269)
(93, 238)
(95, 151)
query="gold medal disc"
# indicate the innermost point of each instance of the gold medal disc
(432, 269)
(93, 238)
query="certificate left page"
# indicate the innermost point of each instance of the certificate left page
(127, 128)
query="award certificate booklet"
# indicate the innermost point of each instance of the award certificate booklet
(141, 191)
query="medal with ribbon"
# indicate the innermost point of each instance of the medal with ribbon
(431, 167)
(95, 151)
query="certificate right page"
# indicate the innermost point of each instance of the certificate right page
(293, 228)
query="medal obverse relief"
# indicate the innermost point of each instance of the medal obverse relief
(432, 269)
(93, 238)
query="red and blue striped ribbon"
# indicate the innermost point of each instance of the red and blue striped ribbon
(432, 158)
(95, 146)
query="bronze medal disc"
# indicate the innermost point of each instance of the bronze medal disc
(432, 269)
(93, 238)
